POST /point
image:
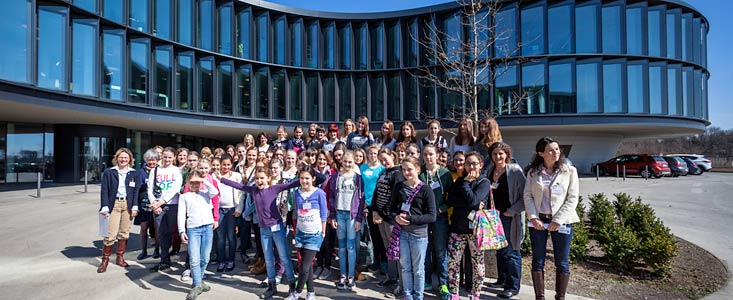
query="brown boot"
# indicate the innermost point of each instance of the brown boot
(538, 280)
(106, 252)
(258, 264)
(121, 245)
(261, 269)
(561, 285)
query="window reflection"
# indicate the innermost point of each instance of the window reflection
(163, 19)
(163, 79)
(112, 9)
(505, 28)
(654, 31)
(329, 40)
(263, 91)
(533, 83)
(393, 45)
(278, 95)
(673, 33)
(113, 49)
(84, 57)
(507, 87)
(25, 155)
(427, 97)
(206, 84)
(674, 93)
(377, 84)
(224, 73)
(263, 30)
(586, 28)
(139, 15)
(394, 107)
(411, 111)
(377, 45)
(185, 24)
(588, 89)
(137, 91)
(611, 18)
(312, 96)
(360, 44)
(205, 23)
(533, 28)
(52, 47)
(15, 49)
(184, 81)
(562, 91)
(634, 33)
(244, 34)
(560, 30)
(278, 39)
(450, 101)
(345, 45)
(411, 38)
(657, 94)
(451, 28)
(244, 90)
(612, 88)
(225, 28)
(296, 96)
(345, 97)
(296, 48)
(329, 97)
(637, 94)
(311, 45)
(360, 93)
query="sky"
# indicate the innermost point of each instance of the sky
(719, 43)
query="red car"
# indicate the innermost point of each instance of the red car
(636, 164)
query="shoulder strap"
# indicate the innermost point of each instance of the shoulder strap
(414, 192)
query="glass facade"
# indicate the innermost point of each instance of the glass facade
(262, 93)
(377, 98)
(560, 28)
(345, 103)
(329, 44)
(562, 97)
(184, 22)
(612, 28)
(139, 70)
(311, 45)
(163, 77)
(224, 73)
(587, 81)
(52, 47)
(345, 46)
(139, 15)
(206, 85)
(113, 53)
(205, 25)
(296, 38)
(84, 57)
(224, 27)
(262, 38)
(376, 39)
(279, 100)
(533, 83)
(15, 48)
(635, 29)
(296, 96)
(637, 74)
(184, 81)
(279, 48)
(112, 9)
(163, 19)
(533, 30)
(613, 87)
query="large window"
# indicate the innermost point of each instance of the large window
(329, 44)
(657, 88)
(673, 34)
(688, 107)
(533, 84)
(29, 149)
(588, 89)
(505, 32)
(635, 29)
(674, 96)
(206, 85)
(637, 92)
(612, 28)
(393, 45)
(698, 93)
(263, 32)
(279, 40)
(137, 84)
(377, 44)
(562, 89)
(244, 34)
(533, 30)
(184, 80)
(656, 24)
(560, 29)
(111, 9)
(394, 91)
(15, 44)
(329, 97)
(377, 85)
(224, 76)
(296, 96)
(507, 86)
(296, 47)
(704, 45)
(695, 42)
(185, 22)
(361, 94)
(411, 98)
(262, 110)
(244, 90)
(139, 15)
(450, 101)
(586, 28)
(450, 34)
(84, 57)
(427, 97)
(52, 41)
(686, 37)
(345, 103)
(311, 45)
(411, 43)
(613, 87)
(361, 43)
(345, 45)
(113, 55)
(279, 100)
(90, 5)
(224, 28)
(312, 96)
(163, 77)
(205, 25)
(163, 19)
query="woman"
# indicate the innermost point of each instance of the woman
(332, 138)
(507, 186)
(488, 134)
(386, 135)
(166, 181)
(312, 213)
(206, 153)
(407, 134)
(346, 213)
(464, 140)
(248, 141)
(381, 202)
(296, 143)
(550, 198)
(145, 217)
(120, 188)
(196, 224)
(264, 142)
(229, 199)
(370, 173)
(469, 194)
(347, 128)
(440, 181)
(282, 138)
(361, 138)
(182, 158)
(413, 208)
(433, 138)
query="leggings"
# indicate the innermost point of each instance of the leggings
(306, 270)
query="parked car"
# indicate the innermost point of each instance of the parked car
(693, 168)
(643, 165)
(677, 165)
(705, 164)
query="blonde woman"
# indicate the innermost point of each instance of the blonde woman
(488, 134)
(464, 140)
(347, 128)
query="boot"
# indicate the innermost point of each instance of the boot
(271, 290)
(106, 252)
(291, 288)
(121, 245)
(257, 265)
(561, 285)
(538, 280)
(261, 269)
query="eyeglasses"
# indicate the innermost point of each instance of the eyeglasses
(473, 163)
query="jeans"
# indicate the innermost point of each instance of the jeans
(347, 242)
(226, 235)
(199, 247)
(509, 261)
(561, 249)
(278, 238)
(412, 260)
(438, 249)
(168, 220)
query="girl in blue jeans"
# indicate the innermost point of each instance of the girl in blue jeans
(346, 206)
(413, 208)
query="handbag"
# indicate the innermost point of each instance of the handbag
(366, 247)
(393, 250)
(488, 230)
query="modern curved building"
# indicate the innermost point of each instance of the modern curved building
(79, 78)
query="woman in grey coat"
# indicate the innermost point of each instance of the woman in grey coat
(507, 186)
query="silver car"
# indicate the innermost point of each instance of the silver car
(702, 162)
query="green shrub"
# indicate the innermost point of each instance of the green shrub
(621, 245)
(659, 250)
(602, 216)
(623, 204)
(526, 248)
(579, 245)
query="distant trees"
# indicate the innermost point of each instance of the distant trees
(715, 143)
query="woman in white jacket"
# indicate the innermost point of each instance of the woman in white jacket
(550, 198)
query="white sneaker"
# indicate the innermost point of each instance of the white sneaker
(186, 276)
(310, 296)
(294, 296)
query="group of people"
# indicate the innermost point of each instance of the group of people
(327, 189)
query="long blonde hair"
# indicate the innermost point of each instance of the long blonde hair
(494, 134)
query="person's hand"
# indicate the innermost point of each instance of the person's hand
(400, 219)
(133, 214)
(105, 213)
(158, 211)
(237, 214)
(357, 226)
(507, 214)
(481, 205)
(472, 175)
(334, 224)
(216, 225)
(537, 224)
(377, 219)
(184, 238)
(553, 226)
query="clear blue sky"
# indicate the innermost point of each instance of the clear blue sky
(719, 43)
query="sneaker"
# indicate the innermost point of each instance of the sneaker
(428, 286)
(351, 283)
(230, 266)
(317, 272)
(294, 296)
(342, 283)
(395, 293)
(194, 293)
(444, 292)
(325, 274)
(221, 267)
(160, 267)
(310, 296)
(205, 287)
(186, 276)
(386, 282)
(142, 255)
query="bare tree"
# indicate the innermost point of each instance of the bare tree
(464, 62)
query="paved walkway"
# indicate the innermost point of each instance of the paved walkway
(50, 250)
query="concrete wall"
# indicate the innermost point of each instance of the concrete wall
(585, 151)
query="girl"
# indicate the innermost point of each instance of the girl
(401, 152)
(443, 157)
(386, 135)
(507, 186)
(181, 158)
(433, 138)
(272, 230)
(282, 138)
(206, 153)
(347, 128)
(333, 138)
(318, 139)
(166, 181)
(359, 158)
(459, 159)
(488, 134)
(229, 199)
(249, 141)
(550, 197)
(469, 193)
(346, 206)
(264, 142)
(312, 212)
(296, 143)
(361, 138)
(338, 153)
(195, 226)
(407, 135)
(412, 151)
(311, 132)
(216, 166)
(464, 140)
(145, 217)
(370, 173)
(440, 181)
(324, 258)
(120, 188)
(218, 152)
(380, 207)
(413, 208)
(232, 151)
(290, 170)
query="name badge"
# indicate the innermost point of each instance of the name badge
(132, 184)
(405, 207)
(435, 185)
(368, 173)
(306, 205)
(564, 229)
(275, 228)
(557, 190)
(494, 185)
